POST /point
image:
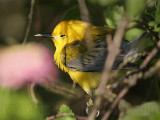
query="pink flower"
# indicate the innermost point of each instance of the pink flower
(21, 65)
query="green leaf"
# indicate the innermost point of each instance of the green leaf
(67, 110)
(157, 29)
(146, 111)
(157, 16)
(156, 22)
(113, 15)
(133, 34)
(107, 2)
(152, 23)
(17, 105)
(134, 7)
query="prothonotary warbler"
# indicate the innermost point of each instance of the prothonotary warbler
(81, 50)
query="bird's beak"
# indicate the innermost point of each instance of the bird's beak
(45, 35)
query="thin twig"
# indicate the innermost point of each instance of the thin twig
(31, 92)
(30, 16)
(113, 51)
(150, 56)
(85, 16)
(61, 90)
(120, 96)
(84, 11)
(125, 62)
(152, 70)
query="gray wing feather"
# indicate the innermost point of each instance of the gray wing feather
(135, 46)
(94, 59)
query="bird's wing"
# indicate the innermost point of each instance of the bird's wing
(91, 55)
(135, 46)
(80, 57)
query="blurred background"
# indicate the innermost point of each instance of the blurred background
(46, 14)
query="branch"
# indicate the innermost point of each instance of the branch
(84, 11)
(61, 90)
(114, 74)
(113, 51)
(150, 56)
(32, 93)
(30, 16)
(120, 96)
(152, 70)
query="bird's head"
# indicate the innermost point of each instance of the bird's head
(68, 31)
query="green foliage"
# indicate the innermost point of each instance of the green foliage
(113, 15)
(134, 7)
(156, 22)
(104, 2)
(65, 109)
(17, 105)
(133, 33)
(107, 2)
(146, 111)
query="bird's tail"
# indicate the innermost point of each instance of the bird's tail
(136, 46)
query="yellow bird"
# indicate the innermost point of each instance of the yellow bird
(81, 51)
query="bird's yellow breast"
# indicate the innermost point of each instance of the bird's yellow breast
(87, 80)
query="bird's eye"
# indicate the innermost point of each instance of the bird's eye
(62, 35)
